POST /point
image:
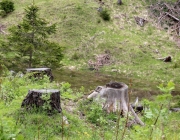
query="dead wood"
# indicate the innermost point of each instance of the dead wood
(2, 27)
(40, 72)
(175, 109)
(167, 15)
(137, 108)
(100, 60)
(140, 21)
(35, 98)
(114, 97)
(166, 59)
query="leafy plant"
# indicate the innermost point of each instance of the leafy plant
(168, 88)
(46, 97)
(8, 130)
(68, 93)
(13, 87)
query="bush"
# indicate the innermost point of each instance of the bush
(7, 7)
(105, 15)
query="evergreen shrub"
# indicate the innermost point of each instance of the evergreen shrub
(6, 7)
(105, 15)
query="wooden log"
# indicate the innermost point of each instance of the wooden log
(175, 109)
(39, 72)
(35, 98)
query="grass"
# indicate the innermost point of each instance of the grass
(83, 33)
(86, 119)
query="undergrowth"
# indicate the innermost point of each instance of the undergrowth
(87, 121)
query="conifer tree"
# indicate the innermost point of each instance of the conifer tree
(29, 40)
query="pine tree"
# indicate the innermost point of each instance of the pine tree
(29, 40)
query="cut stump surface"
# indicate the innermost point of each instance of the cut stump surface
(39, 72)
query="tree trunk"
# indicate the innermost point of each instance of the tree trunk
(30, 59)
(119, 2)
(114, 97)
(39, 98)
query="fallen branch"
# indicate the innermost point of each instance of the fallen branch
(1, 29)
(172, 16)
(166, 59)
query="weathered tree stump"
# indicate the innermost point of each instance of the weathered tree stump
(114, 97)
(49, 98)
(40, 72)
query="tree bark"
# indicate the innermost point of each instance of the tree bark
(30, 59)
(119, 2)
(39, 72)
(34, 99)
(114, 97)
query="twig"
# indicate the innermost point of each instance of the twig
(127, 117)
(155, 122)
(117, 126)
(172, 16)
(62, 125)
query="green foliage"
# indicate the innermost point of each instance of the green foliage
(95, 114)
(6, 6)
(68, 93)
(46, 97)
(176, 64)
(75, 56)
(8, 130)
(167, 89)
(80, 24)
(104, 14)
(93, 124)
(29, 41)
(13, 87)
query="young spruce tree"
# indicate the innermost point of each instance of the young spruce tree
(29, 40)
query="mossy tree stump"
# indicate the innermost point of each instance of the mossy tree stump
(49, 99)
(40, 72)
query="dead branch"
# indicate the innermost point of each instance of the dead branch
(100, 60)
(167, 15)
(2, 27)
(172, 16)
(166, 59)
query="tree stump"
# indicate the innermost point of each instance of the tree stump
(40, 72)
(49, 98)
(114, 97)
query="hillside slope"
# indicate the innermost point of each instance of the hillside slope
(134, 50)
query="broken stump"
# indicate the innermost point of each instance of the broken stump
(41, 97)
(40, 72)
(114, 97)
